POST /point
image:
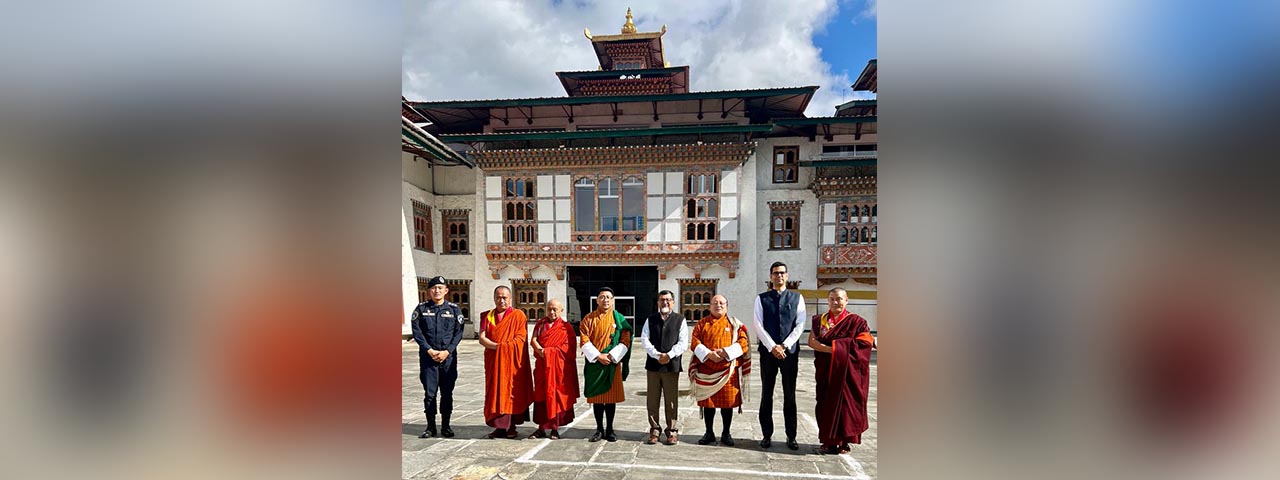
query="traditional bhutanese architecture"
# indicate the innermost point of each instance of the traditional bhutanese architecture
(634, 182)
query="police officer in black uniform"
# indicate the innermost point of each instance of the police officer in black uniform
(437, 327)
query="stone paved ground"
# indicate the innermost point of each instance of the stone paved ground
(470, 456)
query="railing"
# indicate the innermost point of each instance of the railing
(843, 155)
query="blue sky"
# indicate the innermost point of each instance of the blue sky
(849, 40)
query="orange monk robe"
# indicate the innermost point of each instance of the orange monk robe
(555, 373)
(508, 376)
(709, 335)
(598, 337)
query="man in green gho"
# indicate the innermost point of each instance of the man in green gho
(606, 345)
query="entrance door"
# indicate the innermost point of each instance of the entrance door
(635, 290)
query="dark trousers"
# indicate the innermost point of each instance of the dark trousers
(439, 377)
(769, 367)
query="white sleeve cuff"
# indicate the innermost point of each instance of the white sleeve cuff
(618, 352)
(701, 351)
(590, 352)
(734, 351)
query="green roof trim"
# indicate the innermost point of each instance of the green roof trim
(630, 132)
(825, 120)
(856, 103)
(529, 102)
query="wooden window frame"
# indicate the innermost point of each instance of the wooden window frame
(519, 210)
(596, 181)
(789, 169)
(855, 217)
(784, 227)
(456, 229)
(694, 301)
(422, 227)
(530, 296)
(701, 207)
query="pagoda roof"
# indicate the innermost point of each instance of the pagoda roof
(469, 116)
(867, 79)
(679, 77)
(856, 108)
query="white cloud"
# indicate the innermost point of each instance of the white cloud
(509, 49)
(870, 10)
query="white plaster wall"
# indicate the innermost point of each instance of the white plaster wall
(454, 180)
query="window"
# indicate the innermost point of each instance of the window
(702, 209)
(619, 201)
(856, 223)
(695, 298)
(784, 225)
(784, 164)
(455, 230)
(530, 296)
(421, 226)
(519, 218)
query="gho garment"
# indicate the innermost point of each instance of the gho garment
(605, 331)
(718, 384)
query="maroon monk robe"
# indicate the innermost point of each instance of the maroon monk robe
(843, 377)
(555, 386)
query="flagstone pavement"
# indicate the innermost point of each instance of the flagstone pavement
(470, 456)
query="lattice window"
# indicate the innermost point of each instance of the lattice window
(519, 219)
(856, 223)
(784, 226)
(702, 206)
(785, 167)
(422, 226)
(695, 297)
(456, 237)
(530, 296)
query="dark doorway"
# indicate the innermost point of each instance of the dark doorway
(640, 283)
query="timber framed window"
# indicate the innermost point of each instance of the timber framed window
(519, 219)
(608, 204)
(422, 226)
(784, 225)
(785, 167)
(455, 229)
(856, 223)
(701, 206)
(460, 293)
(695, 297)
(530, 296)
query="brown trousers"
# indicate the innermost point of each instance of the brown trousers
(666, 384)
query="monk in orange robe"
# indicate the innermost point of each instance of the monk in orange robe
(842, 344)
(508, 378)
(555, 373)
(606, 345)
(720, 355)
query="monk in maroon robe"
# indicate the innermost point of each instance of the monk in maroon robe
(555, 374)
(842, 344)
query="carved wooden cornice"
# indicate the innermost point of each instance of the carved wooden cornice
(827, 187)
(696, 257)
(837, 256)
(643, 156)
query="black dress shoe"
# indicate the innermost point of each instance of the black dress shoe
(726, 440)
(707, 439)
(825, 450)
(446, 432)
(595, 437)
(428, 433)
(791, 443)
(610, 437)
(766, 443)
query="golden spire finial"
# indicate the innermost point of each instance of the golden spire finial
(628, 27)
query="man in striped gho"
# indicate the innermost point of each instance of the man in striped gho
(719, 343)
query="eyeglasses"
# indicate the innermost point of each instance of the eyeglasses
(778, 273)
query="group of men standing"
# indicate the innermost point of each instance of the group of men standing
(721, 359)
